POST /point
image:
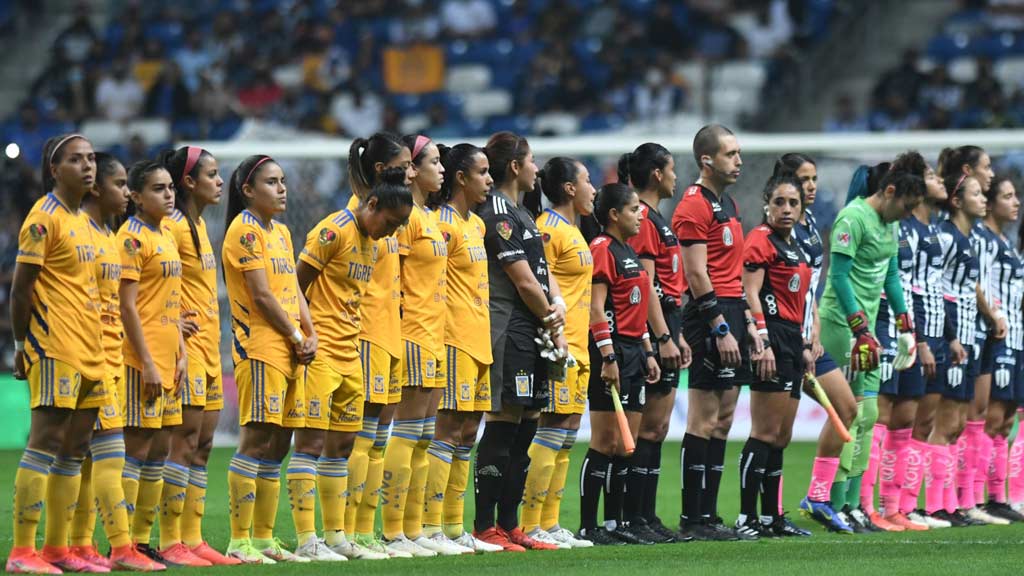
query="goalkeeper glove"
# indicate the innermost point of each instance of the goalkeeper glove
(864, 346)
(906, 344)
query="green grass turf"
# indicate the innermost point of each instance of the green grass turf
(987, 550)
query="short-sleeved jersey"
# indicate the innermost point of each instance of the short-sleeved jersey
(701, 217)
(859, 233)
(249, 245)
(907, 247)
(787, 273)
(344, 256)
(383, 299)
(617, 265)
(108, 277)
(199, 290)
(424, 273)
(959, 279)
(986, 246)
(926, 279)
(150, 257)
(572, 265)
(65, 297)
(1006, 282)
(657, 242)
(511, 235)
(466, 314)
(809, 239)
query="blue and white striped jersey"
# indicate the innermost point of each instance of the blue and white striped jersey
(926, 279)
(1006, 282)
(907, 246)
(809, 240)
(959, 279)
(986, 246)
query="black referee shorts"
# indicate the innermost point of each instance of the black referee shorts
(788, 347)
(707, 372)
(674, 319)
(632, 371)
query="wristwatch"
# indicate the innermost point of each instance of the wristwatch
(610, 359)
(650, 353)
(721, 329)
(664, 338)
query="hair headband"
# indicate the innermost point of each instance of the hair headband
(253, 169)
(64, 141)
(417, 147)
(960, 182)
(192, 159)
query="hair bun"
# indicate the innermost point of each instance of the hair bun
(394, 175)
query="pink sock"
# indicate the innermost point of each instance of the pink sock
(937, 461)
(997, 472)
(965, 461)
(781, 511)
(913, 473)
(892, 467)
(867, 487)
(822, 475)
(949, 493)
(983, 459)
(1015, 474)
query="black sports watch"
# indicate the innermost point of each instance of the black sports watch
(664, 338)
(610, 359)
(721, 329)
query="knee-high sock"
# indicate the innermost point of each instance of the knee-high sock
(553, 503)
(772, 494)
(268, 494)
(1015, 468)
(967, 464)
(594, 475)
(543, 452)
(61, 498)
(997, 471)
(877, 464)
(713, 477)
(913, 474)
(822, 474)
(394, 488)
(332, 483)
(302, 482)
(614, 492)
(983, 460)
(752, 464)
(841, 482)
(492, 461)
(412, 520)
(937, 465)
(358, 462)
(455, 492)
(862, 452)
(893, 468)
(242, 471)
(195, 507)
(151, 481)
(29, 494)
(636, 483)
(374, 474)
(172, 503)
(515, 476)
(84, 519)
(949, 498)
(650, 500)
(108, 463)
(439, 468)
(694, 462)
(130, 486)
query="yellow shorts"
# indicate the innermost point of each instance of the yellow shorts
(421, 368)
(111, 415)
(193, 392)
(214, 392)
(569, 396)
(57, 384)
(172, 409)
(467, 383)
(268, 395)
(334, 400)
(139, 413)
(382, 374)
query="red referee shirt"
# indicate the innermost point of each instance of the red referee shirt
(702, 218)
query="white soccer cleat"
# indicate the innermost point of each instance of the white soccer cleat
(541, 535)
(933, 523)
(404, 545)
(315, 549)
(562, 535)
(442, 545)
(982, 516)
(275, 550)
(466, 540)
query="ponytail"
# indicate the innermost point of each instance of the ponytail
(183, 162)
(242, 175)
(365, 153)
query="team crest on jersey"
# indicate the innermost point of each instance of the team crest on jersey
(64, 386)
(36, 232)
(727, 238)
(523, 388)
(248, 241)
(843, 239)
(465, 391)
(378, 384)
(199, 385)
(634, 295)
(327, 236)
(430, 369)
(504, 229)
(794, 283)
(274, 404)
(314, 408)
(132, 246)
(547, 238)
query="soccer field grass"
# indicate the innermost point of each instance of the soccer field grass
(986, 551)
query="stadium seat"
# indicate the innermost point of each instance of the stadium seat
(556, 123)
(468, 78)
(487, 103)
(152, 130)
(414, 124)
(103, 133)
(742, 74)
(1010, 71)
(963, 69)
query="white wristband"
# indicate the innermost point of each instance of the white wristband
(19, 345)
(559, 301)
(297, 337)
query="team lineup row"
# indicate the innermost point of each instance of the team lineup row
(364, 352)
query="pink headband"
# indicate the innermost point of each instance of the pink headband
(193, 157)
(960, 183)
(254, 167)
(64, 141)
(418, 146)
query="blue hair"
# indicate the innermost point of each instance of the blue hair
(858, 183)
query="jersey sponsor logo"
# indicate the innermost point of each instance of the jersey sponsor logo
(326, 236)
(727, 238)
(843, 239)
(675, 263)
(527, 235)
(794, 283)
(132, 246)
(634, 295)
(504, 229)
(37, 232)
(248, 241)
(508, 253)
(771, 305)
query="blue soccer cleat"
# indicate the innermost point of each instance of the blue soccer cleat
(823, 513)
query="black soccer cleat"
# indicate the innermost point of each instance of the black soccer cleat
(669, 534)
(152, 553)
(1003, 510)
(600, 537)
(956, 520)
(719, 525)
(704, 532)
(783, 527)
(640, 527)
(627, 534)
(751, 529)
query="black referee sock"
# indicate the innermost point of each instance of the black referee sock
(753, 460)
(715, 467)
(772, 483)
(515, 476)
(694, 457)
(615, 490)
(593, 473)
(636, 482)
(652, 450)
(492, 458)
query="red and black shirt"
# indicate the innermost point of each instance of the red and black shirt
(657, 242)
(617, 265)
(787, 274)
(703, 218)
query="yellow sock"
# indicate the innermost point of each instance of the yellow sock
(108, 468)
(29, 494)
(543, 452)
(61, 499)
(172, 503)
(553, 503)
(268, 494)
(358, 462)
(195, 507)
(302, 494)
(455, 492)
(332, 482)
(412, 521)
(439, 466)
(394, 487)
(84, 519)
(367, 512)
(151, 481)
(241, 494)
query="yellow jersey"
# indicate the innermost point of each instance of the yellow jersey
(199, 287)
(344, 256)
(108, 276)
(423, 280)
(248, 245)
(150, 257)
(65, 317)
(467, 314)
(572, 265)
(382, 301)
